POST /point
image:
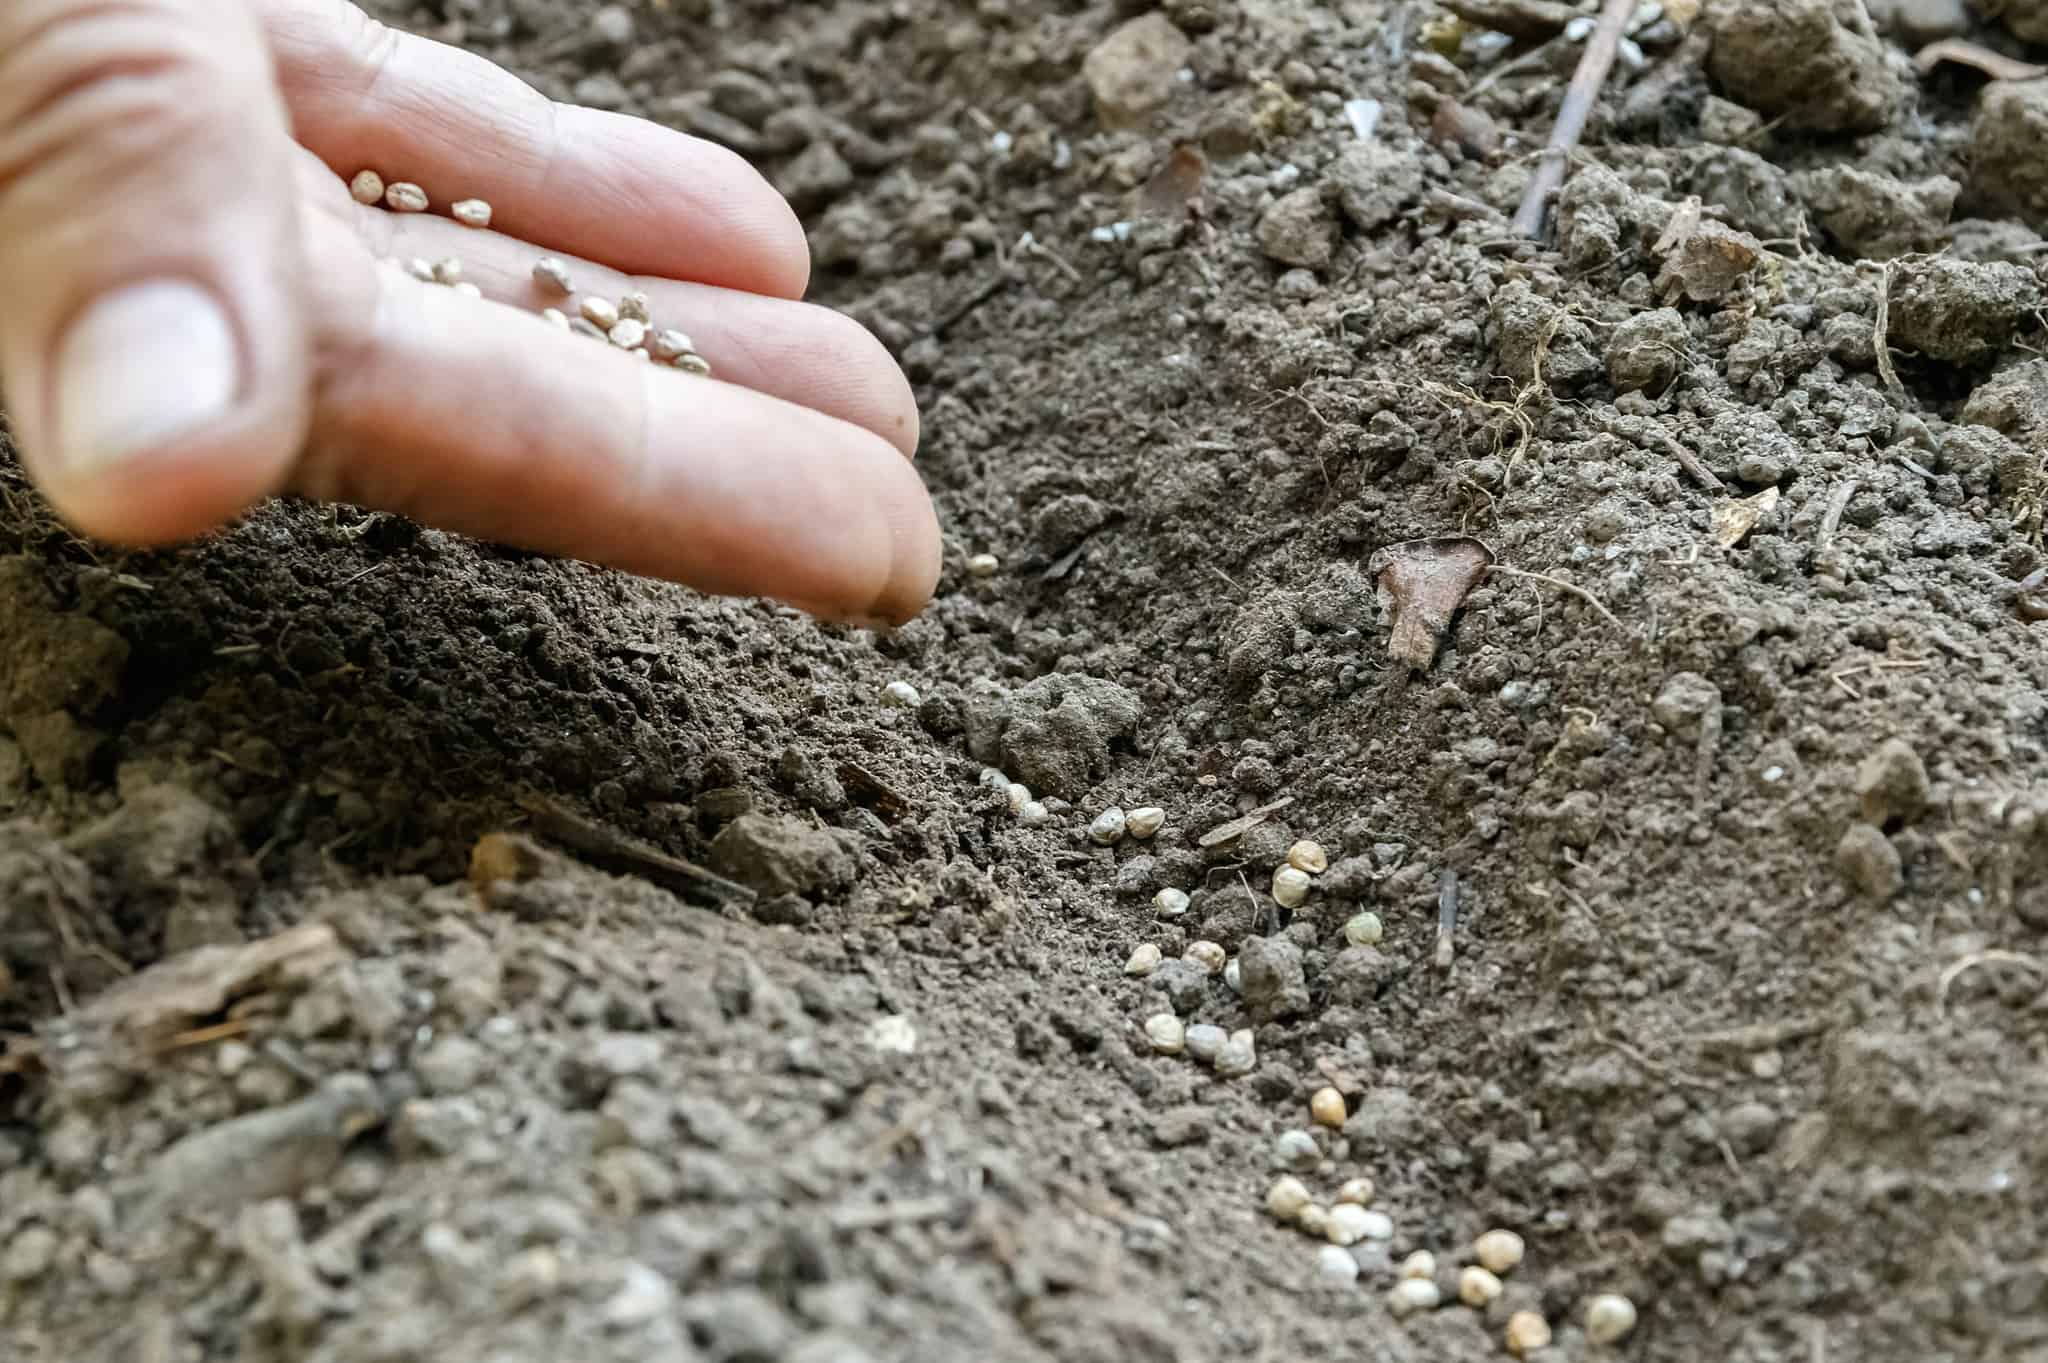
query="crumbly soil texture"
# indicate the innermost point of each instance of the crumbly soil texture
(412, 949)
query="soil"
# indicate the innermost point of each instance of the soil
(412, 949)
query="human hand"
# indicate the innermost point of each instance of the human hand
(195, 314)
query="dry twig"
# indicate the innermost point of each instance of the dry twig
(1562, 585)
(1594, 65)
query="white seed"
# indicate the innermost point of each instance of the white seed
(1290, 886)
(1326, 1107)
(1308, 857)
(404, 197)
(1207, 955)
(1378, 1226)
(899, 695)
(1477, 1288)
(1233, 976)
(1336, 1266)
(1144, 960)
(1609, 1318)
(468, 290)
(628, 334)
(1237, 1057)
(983, 565)
(1107, 829)
(993, 778)
(1420, 1264)
(552, 275)
(1314, 1219)
(1019, 795)
(1364, 930)
(1242, 1036)
(367, 188)
(1347, 1223)
(1034, 815)
(634, 306)
(1146, 820)
(448, 271)
(472, 213)
(1498, 1251)
(1286, 1198)
(1411, 1295)
(422, 270)
(601, 313)
(1171, 903)
(1296, 1150)
(1206, 1041)
(1165, 1032)
(668, 345)
(1359, 1190)
(555, 317)
(693, 363)
(1526, 1333)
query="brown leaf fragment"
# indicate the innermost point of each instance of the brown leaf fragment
(1996, 65)
(1422, 583)
(1735, 518)
(1238, 827)
(173, 995)
(1175, 189)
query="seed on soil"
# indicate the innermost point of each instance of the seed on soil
(1411, 1295)
(694, 363)
(1233, 976)
(1018, 795)
(1238, 1057)
(555, 317)
(1477, 1288)
(1609, 1318)
(1327, 1107)
(1364, 930)
(1314, 1219)
(1336, 1266)
(472, 213)
(1420, 1264)
(1144, 821)
(1207, 955)
(1108, 827)
(1286, 1198)
(1034, 815)
(1358, 1190)
(1297, 1150)
(633, 307)
(669, 346)
(1144, 960)
(1498, 1251)
(1526, 1333)
(1206, 1041)
(1378, 1226)
(900, 695)
(404, 197)
(1171, 903)
(1166, 1033)
(1347, 1223)
(983, 565)
(1290, 887)
(1308, 857)
(601, 313)
(628, 335)
(552, 275)
(367, 188)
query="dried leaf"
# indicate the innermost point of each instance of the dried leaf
(1684, 222)
(1175, 189)
(1996, 65)
(172, 995)
(1238, 827)
(1735, 518)
(1422, 583)
(1466, 128)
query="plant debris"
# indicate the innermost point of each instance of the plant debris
(1422, 583)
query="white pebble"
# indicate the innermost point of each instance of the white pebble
(1286, 1198)
(993, 778)
(1498, 1251)
(900, 695)
(894, 1034)
(1364, 930)
(1308, 857)
(1378, 1226)
(1347, 1223)
(1609, 1318)
(1237, 1057)
(1034, 815)
(1107, 829)
(367, 188)
(1290, 886)
(983, 565)
(1411, 1295)
(1018, 794)
(1477, 1288)
(1144, 960)
(1145, 821)
(1359, 1190)
(1171, 903)
(1207, 955)
(1165, 1032)
(1206, 1041)
(1420, 1264)
(1336, 1266)
(405, 198)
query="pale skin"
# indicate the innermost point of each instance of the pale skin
(189, 160)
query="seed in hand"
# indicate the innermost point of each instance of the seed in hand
(555, 317)
(669, 346)
(693, 364)
(448, 271)
(367, 188)
(405, 197)
(552, 275)
(422, 270)
(627, 334)
(599, 312)
(472, 213)
(634, 306)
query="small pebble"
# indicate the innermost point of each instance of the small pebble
(1308, 857)
(1144, 960)
(1358, 1190)
(1326, 1107)
(633, 307)
(1336, 1266)
(1498, 1251)
(1165, 1032)
(1018, 795)
(1420, 1264)
(1347, 1223)
(601, 313)
(1108, 828)
(552, 275)
(1207, 955)
(1411, 1295)
(1526, 1333)
(469, 290)
(555, 317)
(1609, 1318)
(1287, 1197)
(900, 695)
(1363, 930)
(669, 346)
(1290, 887)
(1314, 1219)
(628, 335)
(472, 213)
(1034, 815)
(983, 565)
(1206, 1041)
(1144, 822)
(1171, 903)
(405, 198)
(1477, 1288)
(367, 188)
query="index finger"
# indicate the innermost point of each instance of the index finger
(641, 198)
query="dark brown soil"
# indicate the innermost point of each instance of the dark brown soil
(1747, 1016)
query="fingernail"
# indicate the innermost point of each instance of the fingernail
(140, 369)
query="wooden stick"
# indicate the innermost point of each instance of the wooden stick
(1594, 64)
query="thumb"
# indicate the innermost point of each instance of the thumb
(153, 350)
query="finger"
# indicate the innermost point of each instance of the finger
(153, 338)
(488, 421)
(796, 351)
(599, 185)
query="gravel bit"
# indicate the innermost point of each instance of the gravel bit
(1144, 960)
(1290, 887)
(1165, 1032)
(1609, 1318)
(628, 335)
(1308, 857)
(693, 363)
(367, 188)
(472, 213)
(1171, 903)
(985, 565)
(633, 306)
(1326, 1107)
(1287, 1197)
(1477, 1288)
(1143, 822)
(1420, 1264)
(555, 317)
(1206, 1041)
(1034, 815)
(1498, 1251)
(1411, 1295)
(1207, 955)
(669, 346)
(1108, 827)
(552, 275)
(1364, 930)
(1358, 1190)
(405, 197)
(601, 313)
(1336, 1266)
(1347, 1223)
(1526, 1333)
(898, 695)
